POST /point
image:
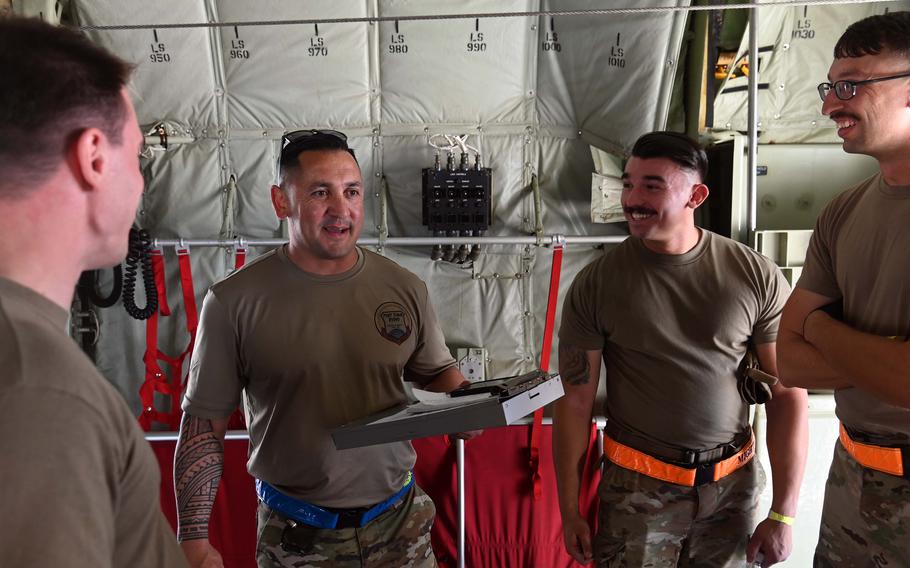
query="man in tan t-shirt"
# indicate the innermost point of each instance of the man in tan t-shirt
(671, 312)
(858, 270)
(79, 485)
(315, 334)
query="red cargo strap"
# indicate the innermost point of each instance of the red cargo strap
(236, 421)
(189, 298)
(156, 380)
(545, 365)
(158, 270)
(239, 257)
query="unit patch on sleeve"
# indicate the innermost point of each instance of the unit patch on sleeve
(393, 322)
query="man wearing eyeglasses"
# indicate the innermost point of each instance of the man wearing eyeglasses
(315, 334)
(845, 325)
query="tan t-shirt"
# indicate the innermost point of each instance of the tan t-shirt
(860, 251)
(673, 330)
(313, 353)
(79, 484)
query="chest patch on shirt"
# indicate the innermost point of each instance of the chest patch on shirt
(393, 322)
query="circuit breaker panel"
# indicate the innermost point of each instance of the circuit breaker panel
(457, 199)
(456, 203)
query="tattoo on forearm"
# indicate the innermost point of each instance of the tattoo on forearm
(198, 464)
(573, 365)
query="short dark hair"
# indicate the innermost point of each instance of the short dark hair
(311, 141)
(875, 34)
(57, 83)
(674, 146)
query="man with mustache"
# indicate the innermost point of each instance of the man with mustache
(846, 324)
(672, 312)
(315, 334)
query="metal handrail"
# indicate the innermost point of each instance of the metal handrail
(165, 436)
(545, 240)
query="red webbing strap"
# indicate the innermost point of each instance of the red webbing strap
(192, 323)
(237, 421)
(549, 324)
(160, 284)
(155, 378)
(152, 371)
(239, 257)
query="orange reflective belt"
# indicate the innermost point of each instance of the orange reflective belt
(886, 460)
(632, 459)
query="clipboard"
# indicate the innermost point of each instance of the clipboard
(481, 406)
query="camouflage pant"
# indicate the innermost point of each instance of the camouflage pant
(400, 537)
(865, 519)
(647, 522)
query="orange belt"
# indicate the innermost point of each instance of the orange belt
(879, 458)
(630, 458)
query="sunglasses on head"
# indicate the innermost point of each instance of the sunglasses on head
(292, 143)
(298, 135)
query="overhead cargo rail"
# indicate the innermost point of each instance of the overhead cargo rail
(484, 15)
(544, 240)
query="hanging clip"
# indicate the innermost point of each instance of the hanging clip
(161, 131)
(240, 249)
(181, 247)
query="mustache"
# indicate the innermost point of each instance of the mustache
(638, 209)
(840, 115)
(346, 223)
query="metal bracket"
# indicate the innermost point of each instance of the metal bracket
(93, 326)
(161, 131)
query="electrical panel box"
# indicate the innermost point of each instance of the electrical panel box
(457, 199)
(472, 362)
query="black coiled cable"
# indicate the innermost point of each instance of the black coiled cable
(88, 283)
(140, 247)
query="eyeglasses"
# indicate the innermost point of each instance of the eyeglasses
(846, 90)
(292, 143)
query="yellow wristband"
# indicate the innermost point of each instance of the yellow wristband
(774, 516)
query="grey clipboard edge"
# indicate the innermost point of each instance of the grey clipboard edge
(483, 414)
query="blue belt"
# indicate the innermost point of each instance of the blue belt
(326, 518)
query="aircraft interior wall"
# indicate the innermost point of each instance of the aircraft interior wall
(534, 95)
(531, 93)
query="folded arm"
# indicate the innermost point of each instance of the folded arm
(877, 364)
(801, 364)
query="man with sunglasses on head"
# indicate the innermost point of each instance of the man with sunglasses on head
(315, 334)
(845, 325)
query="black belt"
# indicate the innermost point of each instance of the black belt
(673, 454)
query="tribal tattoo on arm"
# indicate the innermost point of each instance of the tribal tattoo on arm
(198, 464)
(573, 365)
